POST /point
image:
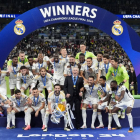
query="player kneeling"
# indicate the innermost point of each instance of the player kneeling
(18, 104)
(55, 97)
(36, 105)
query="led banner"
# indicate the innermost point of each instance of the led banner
(74, 12)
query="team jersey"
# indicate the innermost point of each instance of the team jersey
(2, 77)
(66, 59)
(56, 99)
(46, 58)
(19, 102)
(78, 62)
(59, 67)
(96, 63)
(87, 54)
(3, 98)
(28, 66)
(25, 79)
(87, 73)
(68, 68)
(106, 89)
(91, 92)
(9, 63)
(118, 74)
(37, 101)
(37, 66)
(43, 79)
(13, 74)
(127, 96)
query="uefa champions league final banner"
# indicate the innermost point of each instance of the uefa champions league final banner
(71, 12)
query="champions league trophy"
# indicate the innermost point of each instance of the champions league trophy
(61, 111)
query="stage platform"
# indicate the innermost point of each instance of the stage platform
(36, 121)
(60, 134)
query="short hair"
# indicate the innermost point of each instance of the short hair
(82, 43)
(35, 88)
(100, 53)
(81, 54)
(115, 59)
(42, 68)
(21, 52)
(72, 56)
(91, 77)
(103, 77)
(23, 67)
(89, 58)
(17, 91)
(62, 48)
(106, 56)
(57, 85)
(75, 68)
(40, 53)
(114, 82)
(14, 56)
(30, 57)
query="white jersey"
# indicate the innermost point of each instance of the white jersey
(59, 68)
(127, 96)
(3, 98)
(96, 63)
(37, 66)
(28, 66)
(29, 79)
(91, 92)
(2, 78)
(68, 68)
(66, 59)
(87, 73)
(37, 102)
(56, 99)
(46, 58)
(19, 102)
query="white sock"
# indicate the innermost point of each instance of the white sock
(130, 120)
(42, 114)
(119, 112)
(25, 117)
(84, 115)
(28, 117)
(94, 115)
(8, 119)
(65, 121)
(13, 117)
(46, 118)
(109, 119)
(123, 112)
(115, 116)
(100, 118)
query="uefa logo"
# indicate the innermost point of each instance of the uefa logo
(19, 28)
(117, 29)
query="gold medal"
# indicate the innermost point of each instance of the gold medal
(74, 86)
(15, 75)
(44, 86)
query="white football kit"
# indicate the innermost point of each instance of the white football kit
(91, 94)
(25, 81)
(37, 66)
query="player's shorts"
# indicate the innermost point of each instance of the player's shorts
(102, 106)
(27, 85)
(19, 109)
(3, 89)
(123, 105)
(5, 106)
(36, 107)
(48, 86)
(87, 100)
(58, 80)
(12, 83)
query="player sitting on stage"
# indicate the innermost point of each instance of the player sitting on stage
(124, 101)
(27, 77)
(91, 95)
(104, 89)
(18, 104)
(37, 105)
(56, 96)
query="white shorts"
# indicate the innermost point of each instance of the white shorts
(12, 83)
(91, 99)
(19, 109)
(36, 108)
(102, 106)
(58, 80)
(123, 105)
(3, 89)
(5, 106)
(48, 86)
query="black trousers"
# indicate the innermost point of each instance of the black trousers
(135, 89)
(75, 100)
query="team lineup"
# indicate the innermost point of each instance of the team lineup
(79, 81)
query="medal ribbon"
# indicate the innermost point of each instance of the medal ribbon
(44, 80)
(18, 102)
(36, 101)
(104, 88)
(106, 68)
(15, 73)
(91, 89)
(57, 98)
(74, 81)
(115, 73)
(24, 79)
(39, 65)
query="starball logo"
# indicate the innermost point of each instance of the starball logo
(71, 10)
